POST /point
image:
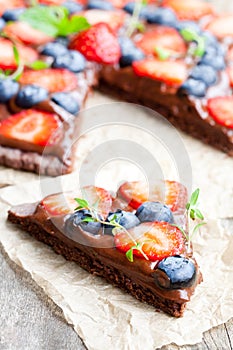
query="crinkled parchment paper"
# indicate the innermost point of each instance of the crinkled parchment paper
(103, 316)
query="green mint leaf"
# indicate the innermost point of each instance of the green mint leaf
(75, 25)
(88, 220)
(194, 197)
(129, 254)
(189, 34)
(198, 214)
(82, 203)
(38, 65)
(162, 53)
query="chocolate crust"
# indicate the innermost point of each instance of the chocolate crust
(97, 268)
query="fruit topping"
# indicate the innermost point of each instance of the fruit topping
(221, 26)
(78, 219)
(230, 74)
(190, 25)
(156, 240)
(194, 87)
(221, 110)
(30, 95)
(163, 16)
(191, 9)
(73, 60)
(114, 19)
(213, 57)
(59, 204)
(129, 52)
(72, 6)
(10, 4)
(125, 219)
(175, 272)
(173, 73)
(13, 14)
(32, 126)
(164, 38)
(205, 73)
(100, 4)
(54, 49)
(2, 23)
(98, 44)
(176, 196)
(8, 89)
(23, 32)
(154, 211)
(53, 80)
(66, 101)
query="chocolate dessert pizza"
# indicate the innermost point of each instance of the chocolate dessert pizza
(174, 56)
(137, 240)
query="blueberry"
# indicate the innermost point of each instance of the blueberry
(188, 25)
(129, 7)
(13, 14)
(72, 6)
(154, 211)
(76, 220)
(8, 88)
(162, 15)
(205, 73)
(194, 87)
(66, 101)
(129, 52)
(213, 59)
(29, 95)
(210, 39)
(175, 272)
(64, 40)
(100, 5)
(2, 23)
(123, 218)
(73, 60)
(54, 49)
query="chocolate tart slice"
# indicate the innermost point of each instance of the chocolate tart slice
(142, 252)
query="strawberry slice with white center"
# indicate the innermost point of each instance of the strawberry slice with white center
(221, 26)
(7, 59)
(176, 196)
(115, 19)
(53, 80)
(10, 4)
(65, 203)
(162, 37)
(157, 240)
(23, 32)
(190, 9)
(32, 126)
(221, 110)
(173, 73)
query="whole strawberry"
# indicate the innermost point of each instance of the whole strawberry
(98, 43)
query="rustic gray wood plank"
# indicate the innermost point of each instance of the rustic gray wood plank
(31, 321)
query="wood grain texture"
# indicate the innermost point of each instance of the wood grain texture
(31, 321)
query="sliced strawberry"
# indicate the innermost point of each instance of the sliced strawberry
(10, 4)
(98, 198)
(230, 74)
(23, 32)
(33, 126)
(221, 110)
(221, 26)
(158, 240)
(162, 37)
(230, 54)
(60, 2)
(7, 60)
(59, 204)
(54, 80)
(115, 19)
(98, 44)
(176, 196)
(173, 73)
(190, 9)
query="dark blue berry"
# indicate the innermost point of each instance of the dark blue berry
(188, 25)
(123, 218)
(76, 220)
(73, 60)
(66, 101)
(130, 9)
(194, 87)
(8, 88)
(213, 58)
(162, 15)
(100, 5)
(30, 95)
(210, 39)
(54, 49)
(129, 52)
(72, 6)
(64, 40)
(175, 272)
(154, 211)
(205, 73)
(13, 14)
(2, 23)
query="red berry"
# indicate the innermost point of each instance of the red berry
(10, 4)
(190, 9)
(221, 26)
(221, 110)
(115, 19)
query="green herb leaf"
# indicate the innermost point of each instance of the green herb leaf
(189, 34)
(200, 49)
(38, 65)
(129, 254)
(82, 203)
(192, 214)
(16, 55)
(194, 197)
(162, 54)
(199, 215)
(88, 219)
(182, 230)
(197, 227)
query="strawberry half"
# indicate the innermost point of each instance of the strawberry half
(162, 37)
(10, 4)
(115, 19)
(99, 198)
(59, 204)
(98, 44)
(173, 73)
(23, 32)
(190, 9)
(221, 110)
(221, 26)
(7, 60)
(54, 80)
(32, 126)
(176, 196)
(158, 240)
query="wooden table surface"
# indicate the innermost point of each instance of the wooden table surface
(31, 321)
